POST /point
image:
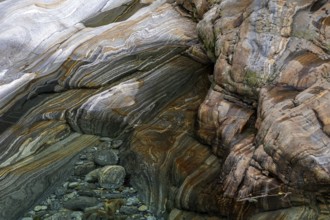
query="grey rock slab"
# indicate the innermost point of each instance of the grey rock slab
(84, 168)
(113, 195)
(88, 193)
(80, 203)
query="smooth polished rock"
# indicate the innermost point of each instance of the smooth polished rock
(80, 203)
(105, 157)
(109, 177)
(112, 177)
(32, 31)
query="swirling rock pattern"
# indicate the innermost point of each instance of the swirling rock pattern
(65, 72)
(265, 115)
(73, 73)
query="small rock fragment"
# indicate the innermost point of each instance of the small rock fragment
(70, 195)
(105, 139)
(116, 144)
(27, 218)
(143, 208)
(151, 218)
(92, 176)
(133, 201)
(40, 208)
(73, 185)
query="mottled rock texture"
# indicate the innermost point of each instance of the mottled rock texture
(255, 146)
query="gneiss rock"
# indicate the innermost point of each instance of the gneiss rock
(109, 177)
(105, 157)
(80, 203)
(112, 177)
(106, 79)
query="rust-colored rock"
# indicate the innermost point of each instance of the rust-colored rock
(271, 78)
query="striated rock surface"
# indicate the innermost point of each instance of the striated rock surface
(103, 80)
(265, 115)
(254, 146)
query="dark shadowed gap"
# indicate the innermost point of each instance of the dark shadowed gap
(115, 15)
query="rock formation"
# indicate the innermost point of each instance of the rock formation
(254, 146)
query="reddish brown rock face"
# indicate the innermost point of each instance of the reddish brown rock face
(266, 114)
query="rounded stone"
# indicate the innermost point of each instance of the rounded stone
(116, 143)
(105, 157)
(112, 177)
(77, 215)
(40, 208)
(133, 201)
(143, 208)
(73, 185)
